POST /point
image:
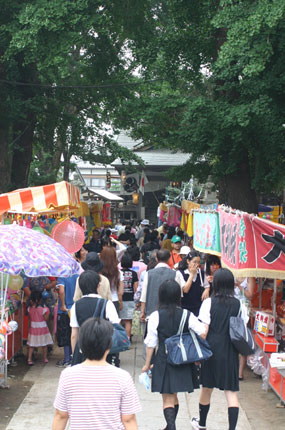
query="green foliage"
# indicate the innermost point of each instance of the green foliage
(59, 47)
(222, 99)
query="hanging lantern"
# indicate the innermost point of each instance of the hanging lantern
(69, 234)
(135, 198)
(123, 177)
(108, 180)
(106, 214)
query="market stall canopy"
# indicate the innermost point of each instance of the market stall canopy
(248, 245)
(40, 199)
(106, 195)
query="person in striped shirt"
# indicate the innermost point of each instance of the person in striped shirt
(94, 395)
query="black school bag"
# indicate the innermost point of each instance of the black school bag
(120, 340)
(78, 356)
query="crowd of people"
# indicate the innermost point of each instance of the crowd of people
(154, 272)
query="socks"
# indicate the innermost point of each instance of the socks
(233, 417)
(170, 415)
(67, 352)
(203, 412)
(176, 407)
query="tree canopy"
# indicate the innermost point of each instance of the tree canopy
(221, 98)
(62, 71)
(205, 77)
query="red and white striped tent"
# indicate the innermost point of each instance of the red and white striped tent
(41, 199)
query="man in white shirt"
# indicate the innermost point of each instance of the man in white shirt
(153, 279)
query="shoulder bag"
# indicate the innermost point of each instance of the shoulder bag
(185, 348)
(120, 340)
(241, 336)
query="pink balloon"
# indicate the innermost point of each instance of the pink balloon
(69, 234)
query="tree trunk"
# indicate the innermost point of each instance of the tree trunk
(236, 191)
(5, 163)
(23, 153)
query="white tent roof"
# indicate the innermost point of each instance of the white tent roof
(106, 195)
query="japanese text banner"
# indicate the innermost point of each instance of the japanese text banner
(206, 231)
(251, 246)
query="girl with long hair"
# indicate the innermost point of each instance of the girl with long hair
(110, 270)
(221, 370)
(195, 283)
(169, 380)
(212, 264)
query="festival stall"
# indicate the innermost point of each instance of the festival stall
(28, 252)
(251, 247)
(45, 209)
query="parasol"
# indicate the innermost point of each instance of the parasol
(29, 251)
(23, 249)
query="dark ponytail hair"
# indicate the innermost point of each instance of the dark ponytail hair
(169, 296)
(223, 284)
(36, 298)
(182, 265)
(192, 254)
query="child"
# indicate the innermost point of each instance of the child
(130, 280)
(39, 334)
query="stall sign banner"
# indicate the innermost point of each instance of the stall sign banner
(206, 230)
(251, 246)
(264, 323)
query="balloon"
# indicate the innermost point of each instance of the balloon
(15, 282)
(13, 325)
(45, 294)
(69, 234)
(264, 216)
(7, 221)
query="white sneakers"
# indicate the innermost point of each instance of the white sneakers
(195, 424)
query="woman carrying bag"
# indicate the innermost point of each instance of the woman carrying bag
(86, 307)
(221, 370)
(162, 324)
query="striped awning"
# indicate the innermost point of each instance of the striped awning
(41, 199)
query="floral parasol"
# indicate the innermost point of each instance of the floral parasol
(23, 249)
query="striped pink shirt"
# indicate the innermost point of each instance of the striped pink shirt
(95, 397)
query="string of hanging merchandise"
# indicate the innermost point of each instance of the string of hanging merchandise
(190, 188)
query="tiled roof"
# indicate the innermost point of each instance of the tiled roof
(152, 157)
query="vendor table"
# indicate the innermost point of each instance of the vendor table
(277, 383)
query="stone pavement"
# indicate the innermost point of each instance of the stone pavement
(36, 411)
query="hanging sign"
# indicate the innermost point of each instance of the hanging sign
(251, 246)
(206, 231)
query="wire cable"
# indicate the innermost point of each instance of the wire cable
(54, 87)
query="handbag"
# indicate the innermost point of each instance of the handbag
(78, 356)
(120, 340)
(241, 336)
(185, 348)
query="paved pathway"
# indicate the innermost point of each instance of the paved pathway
(36, 411)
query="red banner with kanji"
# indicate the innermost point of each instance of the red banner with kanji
(251, 246)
